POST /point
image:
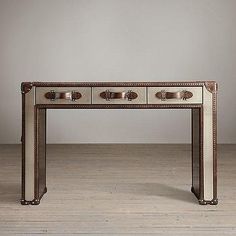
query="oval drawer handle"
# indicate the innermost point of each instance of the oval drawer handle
(108, 95)
(163, 95)
(72, 95)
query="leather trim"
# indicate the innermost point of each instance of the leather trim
(118, 84)
(118, 106)
(36, 177)
(23, 148)
(214, 113)
(201, 165)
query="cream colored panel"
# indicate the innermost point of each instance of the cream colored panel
(196, 98)
(85, 92)
(208, 145)
(29, 145)
(141, 99)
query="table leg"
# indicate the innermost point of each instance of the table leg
(204, 170)
(33, 149)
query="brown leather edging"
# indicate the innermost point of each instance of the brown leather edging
(36, 177)
(118, 106)
(23, 148)
(45, 147)
(214, 112)
(118, 84)
(201, 165)
(192, 188)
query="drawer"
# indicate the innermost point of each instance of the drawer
(174, 95)
(63, 95)
(119, 95)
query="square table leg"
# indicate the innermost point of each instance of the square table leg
(204, 160)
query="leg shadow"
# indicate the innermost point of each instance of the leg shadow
(158, 189)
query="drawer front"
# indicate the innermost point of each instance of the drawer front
(119, 95)
(174, 95)
(63, 95)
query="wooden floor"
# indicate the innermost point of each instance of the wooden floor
(117, 190)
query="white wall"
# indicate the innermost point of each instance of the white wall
(117, 40)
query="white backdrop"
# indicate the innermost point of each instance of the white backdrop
(117, 40)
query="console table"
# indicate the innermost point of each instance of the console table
(199, 96)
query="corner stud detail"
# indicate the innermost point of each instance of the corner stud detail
(204, 202)
(211, 86)
(26, 87)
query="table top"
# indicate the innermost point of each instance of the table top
(118, 84)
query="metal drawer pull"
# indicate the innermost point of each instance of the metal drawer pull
(118, 95)
(73, 95)
(163, 95)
